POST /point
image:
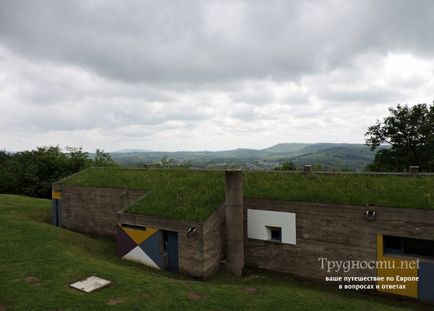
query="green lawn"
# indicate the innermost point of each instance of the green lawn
(194, 195)
(38, 261)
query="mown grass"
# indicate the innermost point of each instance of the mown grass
(194, 195)
(38, 262)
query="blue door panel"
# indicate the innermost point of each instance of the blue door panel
(56, 212)
(172, 251)
(426, 281)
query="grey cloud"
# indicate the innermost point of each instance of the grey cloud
(370, 95)
(206, 73)
(197, 42)
(243, 111)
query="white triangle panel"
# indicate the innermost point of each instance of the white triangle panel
(138, 255)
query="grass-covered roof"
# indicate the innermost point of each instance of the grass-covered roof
(195, 194)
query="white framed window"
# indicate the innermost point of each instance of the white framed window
(274, 233)
(271, 226)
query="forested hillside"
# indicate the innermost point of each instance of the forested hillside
(324, 156)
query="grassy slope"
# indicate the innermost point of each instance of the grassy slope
(188, 194)
(55, 257)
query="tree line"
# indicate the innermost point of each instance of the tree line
(32, 172)
(408, 131)
(408, 134)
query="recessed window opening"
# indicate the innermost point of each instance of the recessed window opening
(408, 246)
(275, 233)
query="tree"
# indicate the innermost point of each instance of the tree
(167, 163)
(78, 159)
(409, 131)
(4, 161)
(286, 166)
(4, 157)
(33, 172)
(103, 159)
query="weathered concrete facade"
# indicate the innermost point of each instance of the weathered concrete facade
(322, 231)
(93, 211)
(214, 242)
(200, 252)
(351, 233)
(336, 232)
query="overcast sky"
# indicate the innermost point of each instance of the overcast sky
(207, 75)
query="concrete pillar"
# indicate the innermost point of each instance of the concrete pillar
(234, 221)
(414, 169)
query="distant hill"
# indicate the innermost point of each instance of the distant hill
(131, 150)
(286, 148)
(328, 156)
(351, 157)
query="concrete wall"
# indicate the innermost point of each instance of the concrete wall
(337, 232)
(214, 239)
(201, 252)
(93, 211)
(260, 221)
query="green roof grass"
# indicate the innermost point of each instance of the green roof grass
(173, 194)
(195, 194)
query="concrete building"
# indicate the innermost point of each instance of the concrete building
(291, 237)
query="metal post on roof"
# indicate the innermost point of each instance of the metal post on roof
(413, 169)
(307, 169)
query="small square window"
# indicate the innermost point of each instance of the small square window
(275, 233)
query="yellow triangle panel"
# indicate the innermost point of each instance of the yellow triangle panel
(56, 195)
(138, 235)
